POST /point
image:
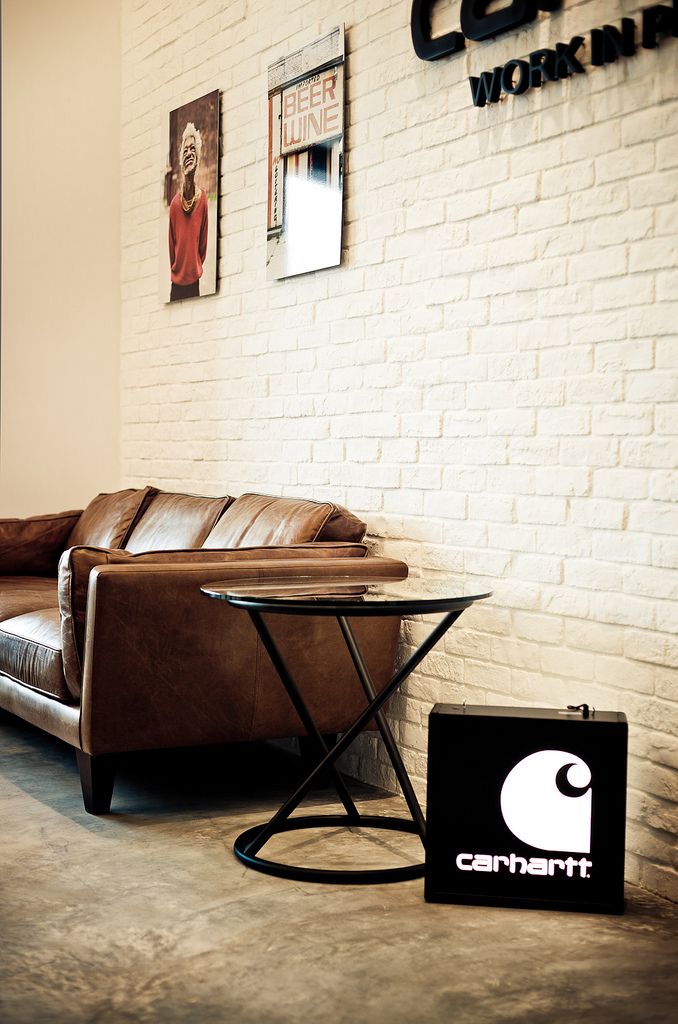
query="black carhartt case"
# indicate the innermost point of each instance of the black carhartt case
(526, 807)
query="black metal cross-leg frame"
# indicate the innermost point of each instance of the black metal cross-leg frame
(248, 844)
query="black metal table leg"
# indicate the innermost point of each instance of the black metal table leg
(364, 876)
(384, 728)
(306, 718)
(250, 842)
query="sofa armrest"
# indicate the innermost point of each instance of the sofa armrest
(32, 546)
(77, 564)
(165, 665)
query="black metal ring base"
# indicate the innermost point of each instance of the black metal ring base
(338, 877)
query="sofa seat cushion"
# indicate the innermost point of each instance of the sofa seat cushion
(255, 519)
(175, 521)
(20, 594)
(109, 518)
(30, 652)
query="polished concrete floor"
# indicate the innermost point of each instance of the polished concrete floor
(145, 916)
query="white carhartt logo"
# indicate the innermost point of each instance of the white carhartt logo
(546, 801)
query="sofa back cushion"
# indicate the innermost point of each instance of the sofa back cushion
(342, 525)
(21, 594)
(174, 521)
(109, 518)
(32, 546)
(260, 519)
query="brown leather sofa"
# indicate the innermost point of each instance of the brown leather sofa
(107, 642)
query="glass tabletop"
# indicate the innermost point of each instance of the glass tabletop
(314, 595)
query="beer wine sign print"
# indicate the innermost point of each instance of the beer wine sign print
(306, 158)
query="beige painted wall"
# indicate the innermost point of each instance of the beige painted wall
(60, 247)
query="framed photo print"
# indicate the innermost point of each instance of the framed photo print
(190, 214)
(306, 158)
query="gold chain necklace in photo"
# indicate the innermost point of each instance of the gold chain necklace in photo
(188, 206)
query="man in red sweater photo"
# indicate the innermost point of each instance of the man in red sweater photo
(188, 221)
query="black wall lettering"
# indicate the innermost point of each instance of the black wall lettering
(542, 67)
(512, 85)
(566, 62)
(487, 88)
(659, 20)
(608, 43)
(477, 24)
(425, 47)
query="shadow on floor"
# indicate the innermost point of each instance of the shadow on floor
(190, 781)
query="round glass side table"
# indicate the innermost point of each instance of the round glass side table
(344, 598)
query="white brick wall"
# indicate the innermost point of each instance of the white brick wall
(489, 377)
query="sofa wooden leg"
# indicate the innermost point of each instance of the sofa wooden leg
(310, 756)
(97, 775)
